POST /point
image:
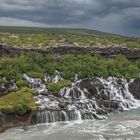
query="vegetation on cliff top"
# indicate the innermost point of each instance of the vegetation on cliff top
(36, 65)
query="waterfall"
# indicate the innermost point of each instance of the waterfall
(35, 83)
(117, 89)
(92, 98)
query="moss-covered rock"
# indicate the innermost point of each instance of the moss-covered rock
(18, 102)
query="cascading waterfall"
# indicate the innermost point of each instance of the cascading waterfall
(117, 89)
(92, 98)
(35, 83)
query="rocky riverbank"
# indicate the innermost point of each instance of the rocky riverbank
(12, 120)
(109, 52)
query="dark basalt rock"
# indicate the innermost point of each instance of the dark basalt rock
(93, 86)
(90, 85)
(113, 105)
(5, 87)
(109, 52)
(134, 88)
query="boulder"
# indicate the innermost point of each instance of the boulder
(94, 87)
(134, 88)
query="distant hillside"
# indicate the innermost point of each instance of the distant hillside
(33, 37)
(32, 30)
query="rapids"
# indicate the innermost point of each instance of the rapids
(118, 126)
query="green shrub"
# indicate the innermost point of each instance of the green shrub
(36, 65)
(4, 80)
(21, 83)
(20, 108)
(55, 87)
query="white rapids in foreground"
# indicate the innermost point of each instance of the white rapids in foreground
(120, 126)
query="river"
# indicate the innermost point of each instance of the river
(118, 126)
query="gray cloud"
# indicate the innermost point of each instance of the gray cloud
(117, 16)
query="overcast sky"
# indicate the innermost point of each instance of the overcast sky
(115, 16)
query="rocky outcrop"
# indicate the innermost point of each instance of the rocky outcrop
(109, 52)
(134, 88)
(6, 86)
(92, 85)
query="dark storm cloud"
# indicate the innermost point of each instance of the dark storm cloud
(118, 16)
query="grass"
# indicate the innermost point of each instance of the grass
(18, 102)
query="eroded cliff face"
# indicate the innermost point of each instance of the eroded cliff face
(12, 120)
(108, 52)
